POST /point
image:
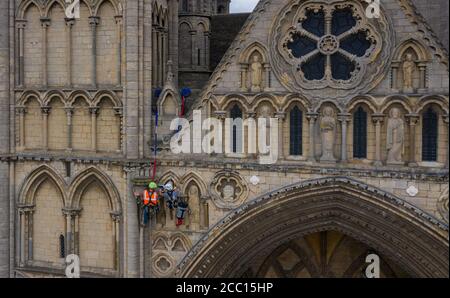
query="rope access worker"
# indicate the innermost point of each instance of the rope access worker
(150, 201)
(170, 195)
(182, 208)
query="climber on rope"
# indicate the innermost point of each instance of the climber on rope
(150, 202)
(170, 195)
(182, 208)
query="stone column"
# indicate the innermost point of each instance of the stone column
(312, 118)
(221, 116)
(344, 119)
(394, 74)
(69, 114)
(422, 77)
(161, 56)
(244, 73)
(94, 113)
(207, 50)
(22, 239)
(45, 112)
(21, 111)
(194, 50)
(69, 231)
(76, 231)
(413, 119)
(378, 120)
(45, 22)
(20, 77)
(94, 21)
(119, 22)
(118, 111)
(267, 72)
(116, 218)
(69, 25)
(154, 57)
(446, 121)
(281, 116)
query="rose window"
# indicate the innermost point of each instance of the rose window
(329, 43)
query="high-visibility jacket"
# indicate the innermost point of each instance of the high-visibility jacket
(151, 198)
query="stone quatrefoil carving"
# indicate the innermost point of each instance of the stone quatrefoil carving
(229, 190)
(329, 46)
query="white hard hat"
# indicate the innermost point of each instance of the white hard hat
(168, 187)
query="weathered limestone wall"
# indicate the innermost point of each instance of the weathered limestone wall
(4, 138)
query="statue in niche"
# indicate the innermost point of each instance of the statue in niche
(228, 193)
(256, 74)
(194, 202)
(328, 133)
(395, 137)
(409, 67)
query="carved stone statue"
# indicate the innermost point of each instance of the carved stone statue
(395, 137)
(256, 73)
(409, 67)
(194, 202)
(228, 193)
(328, 133)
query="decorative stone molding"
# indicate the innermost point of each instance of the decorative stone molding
(229, 190)
(163, 265)
(416, 240)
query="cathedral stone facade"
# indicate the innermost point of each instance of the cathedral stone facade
(362, 163)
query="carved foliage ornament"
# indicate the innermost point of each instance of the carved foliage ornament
(330, 46)
(228, 189)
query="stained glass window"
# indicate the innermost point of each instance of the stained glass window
(328, 50)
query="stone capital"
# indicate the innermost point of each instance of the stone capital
(93, 110)
(413, 119)
(94, 21)
(116, 216)
(378, 118)
(45, 22)
(221, 115)
(70, 22)
(312, 116)
(118, 19)
(280, 115)
(21, 23)
(21, 110)
(46, 110)
(26, 209)
(344, 117)
(69, 111)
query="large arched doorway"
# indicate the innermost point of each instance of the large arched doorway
(409, 241)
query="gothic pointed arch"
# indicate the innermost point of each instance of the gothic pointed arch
(116, 5)
(24, 5)
(417, 241)
(195, 178)
(93, 175)
(34, 180)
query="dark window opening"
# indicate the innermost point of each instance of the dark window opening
(301, 45)
(296, 132)
(341, 67)
(68, 166)
(62, 246)
(342, 21)
(430, 136)
(314, 69)
(236, 114)
(360, 133)
(315, 23)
